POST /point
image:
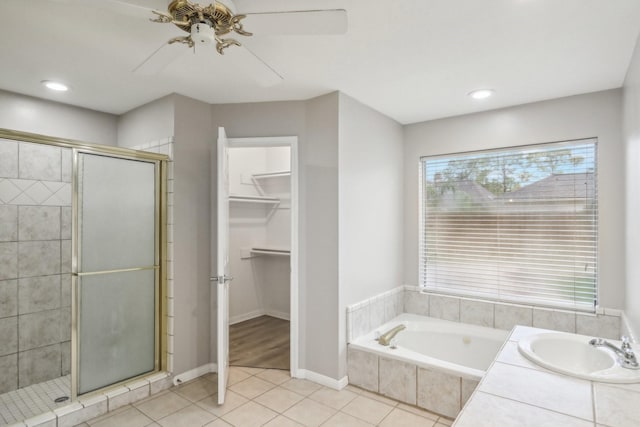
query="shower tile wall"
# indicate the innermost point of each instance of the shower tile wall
(35, 263)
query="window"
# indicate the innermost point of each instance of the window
(516, 224)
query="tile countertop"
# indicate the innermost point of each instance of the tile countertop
(516, 392)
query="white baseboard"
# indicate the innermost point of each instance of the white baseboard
(246, 316)
(257, 313)
(323, 379)
(195, 373)
(278, 314)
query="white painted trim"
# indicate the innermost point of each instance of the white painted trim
(257, 313)
(292, 142)
(294, 259)
(272, 141)
(278, 314)
(323, 379)
(195, 373)
(246, 316)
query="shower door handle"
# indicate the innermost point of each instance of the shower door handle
(221, 279)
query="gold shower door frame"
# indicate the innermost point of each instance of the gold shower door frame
(160, 239)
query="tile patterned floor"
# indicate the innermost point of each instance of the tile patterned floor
(266, 397)
(35, 399)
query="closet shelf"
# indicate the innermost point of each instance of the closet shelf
(272, 175)
(271, 251)
(253, 199)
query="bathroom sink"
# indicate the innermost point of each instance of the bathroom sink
(571, 354)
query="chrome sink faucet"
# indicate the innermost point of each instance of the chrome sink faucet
(385, 339)
(626, 356)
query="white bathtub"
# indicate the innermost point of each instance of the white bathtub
(455, 348)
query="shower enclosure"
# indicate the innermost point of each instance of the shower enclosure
(81, 251)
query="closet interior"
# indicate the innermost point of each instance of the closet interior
(259, 251)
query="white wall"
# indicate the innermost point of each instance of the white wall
(370, 207)
(591, 115)
(27, 114)
(631, 127)
(261, 283)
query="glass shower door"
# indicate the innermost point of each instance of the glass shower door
(116, 269)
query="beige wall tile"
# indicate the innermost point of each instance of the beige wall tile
(398, 380)
(554, 320)
(598, 326)
(508, 316)
(443, 307)
(8, 298)
(476, 312)
(439, 392)
(416, 303)
(363, 369)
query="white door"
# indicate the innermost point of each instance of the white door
(223, 276)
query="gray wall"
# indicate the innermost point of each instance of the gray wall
(632, 153)
(27, 114)
(194, 136)
(150, 122)
(321, 246)
(591, 115)
(315, 123)
(370, 207)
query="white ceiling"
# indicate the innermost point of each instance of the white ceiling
(412, 60)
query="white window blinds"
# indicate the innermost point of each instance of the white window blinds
(516, 224)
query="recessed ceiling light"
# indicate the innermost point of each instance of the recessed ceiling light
(57, 86)
(481, 93)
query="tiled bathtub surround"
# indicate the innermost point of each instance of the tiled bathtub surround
(369, 314)
(438, 392)
(433, 390)
(373, 312)
(606, 324)
(35, 263)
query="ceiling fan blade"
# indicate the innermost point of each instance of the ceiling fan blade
(251, 65)
(134, 8)
(331, 21)
(160, 59)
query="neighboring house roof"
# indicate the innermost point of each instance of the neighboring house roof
(559, 190)
(566, 186)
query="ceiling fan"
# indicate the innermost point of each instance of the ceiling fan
(217, 25)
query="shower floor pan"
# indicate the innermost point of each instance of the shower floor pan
(18, 405)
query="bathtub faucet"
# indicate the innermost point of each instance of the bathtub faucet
(626, 356)
(385, 339)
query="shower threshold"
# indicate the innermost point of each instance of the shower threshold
(27, 402)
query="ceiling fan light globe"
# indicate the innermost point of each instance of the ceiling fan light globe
(203, 33)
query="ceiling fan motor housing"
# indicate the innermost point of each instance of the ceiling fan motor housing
(203, 33)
